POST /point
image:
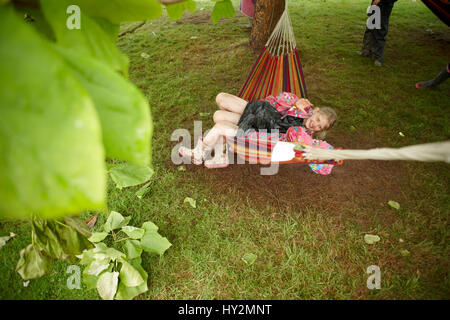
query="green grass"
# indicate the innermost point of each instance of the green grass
(313, 251)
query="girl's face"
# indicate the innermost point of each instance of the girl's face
(318, 122)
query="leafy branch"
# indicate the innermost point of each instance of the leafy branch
(119, 274)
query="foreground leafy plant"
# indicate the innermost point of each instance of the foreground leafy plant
(130, 174)
(118, 274)
(53, 239)
(69, 87)
(66, 104)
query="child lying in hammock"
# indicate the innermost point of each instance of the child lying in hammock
(290, 110)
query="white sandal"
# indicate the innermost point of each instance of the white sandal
(197, 154)
(220, 160)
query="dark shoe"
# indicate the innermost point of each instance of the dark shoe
(441, 77)
(422, 85)
(363, 54)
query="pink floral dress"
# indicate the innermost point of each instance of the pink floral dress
(284, 102)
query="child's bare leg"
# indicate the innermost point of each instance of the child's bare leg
(231, 103)
(215, 138)
(220, 129)
(223, 115)
(203, 147)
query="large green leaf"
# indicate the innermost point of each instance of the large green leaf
(44, 238)
(115, 221)
(107, 285)
(155, 243)
(130, 174)
(86, 257)
(133, 249)
(114, 254)
(152, 241)
(175, 10)
(98, 236)
(32, 263)
(58, 240)
(222, 9)
(90, 281)
(124, 111)
(133, 232)
(72, 242)
(128, 293)
(129, 275)
(118, 11)
(93, 39)
(51, 153)
(78, 224)
(149, 226)
(97, 266)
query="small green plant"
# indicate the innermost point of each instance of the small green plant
(116, 271)
(52, 239)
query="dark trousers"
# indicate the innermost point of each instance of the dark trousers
(375, 39)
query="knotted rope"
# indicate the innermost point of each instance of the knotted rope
(437, 151)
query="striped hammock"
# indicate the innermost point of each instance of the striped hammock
(441, 8)
(278, 67)
(256, 150)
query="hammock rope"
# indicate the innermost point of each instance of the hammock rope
(277, 69)
(278, 66)
(437, 151)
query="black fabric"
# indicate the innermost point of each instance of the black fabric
(260, 115)
(375, 39)
(441, 8)
(441, 77)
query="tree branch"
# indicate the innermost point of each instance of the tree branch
(132, 29)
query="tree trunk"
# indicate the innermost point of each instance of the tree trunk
(267, 13)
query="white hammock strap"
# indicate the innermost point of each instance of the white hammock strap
(282, 39)
(438, 151)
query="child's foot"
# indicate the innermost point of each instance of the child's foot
(197, 154)
(220, 159)
(377, 63)
(363, 53)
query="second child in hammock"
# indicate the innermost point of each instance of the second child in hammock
(293, 118)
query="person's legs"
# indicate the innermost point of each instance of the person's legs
(231, 103)
(216, 138)
(379, 35)
(223, 115)
(205, 146)
(224, 128)
(366, 51)
(441, 77)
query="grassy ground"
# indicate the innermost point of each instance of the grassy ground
(308, 250)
